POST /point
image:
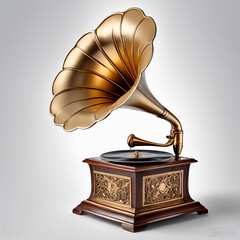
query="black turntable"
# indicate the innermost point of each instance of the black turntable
(137, 156)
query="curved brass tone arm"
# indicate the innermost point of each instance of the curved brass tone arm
(143, 100)
(175, 139)
(135, 141)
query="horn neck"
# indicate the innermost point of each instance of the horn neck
(143, 100)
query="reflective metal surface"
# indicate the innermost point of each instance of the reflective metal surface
(102, 70)
(105, 71)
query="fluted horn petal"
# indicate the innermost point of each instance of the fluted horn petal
(103, 69)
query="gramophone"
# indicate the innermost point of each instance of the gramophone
(105, 71)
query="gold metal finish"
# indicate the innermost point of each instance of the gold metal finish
(112, 189)
(137, 155)
(162, 188)
(105, 71)
(142, 99)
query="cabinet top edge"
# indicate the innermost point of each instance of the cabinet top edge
(97, 161)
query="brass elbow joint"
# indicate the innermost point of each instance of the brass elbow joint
(175, 139)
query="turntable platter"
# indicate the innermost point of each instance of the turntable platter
(137, 157)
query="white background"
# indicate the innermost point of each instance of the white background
(194, 72)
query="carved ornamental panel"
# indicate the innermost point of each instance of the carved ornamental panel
(162, 187)
(112, 188)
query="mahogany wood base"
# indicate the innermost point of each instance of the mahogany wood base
(138, 222)
(136, 195)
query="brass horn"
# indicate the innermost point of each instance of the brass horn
(105, 71)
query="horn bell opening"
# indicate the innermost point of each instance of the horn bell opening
(103, 70)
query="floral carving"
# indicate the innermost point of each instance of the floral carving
(162, 187)
(112, 188)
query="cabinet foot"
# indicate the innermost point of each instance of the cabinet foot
(77, 210)
(202, 211)
(132, 227)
